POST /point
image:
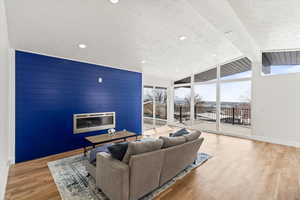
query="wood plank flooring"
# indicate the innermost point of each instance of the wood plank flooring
(240, 170)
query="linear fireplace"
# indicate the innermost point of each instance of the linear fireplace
(93, 122)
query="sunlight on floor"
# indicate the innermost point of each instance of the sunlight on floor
(198, 125)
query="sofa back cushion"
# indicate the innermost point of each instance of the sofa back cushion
(177, 158)
(172, 141)
(144, 173)
(192, 136)
(139, 147)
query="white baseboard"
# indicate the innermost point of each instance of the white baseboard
(12, 160)
(3, 179)
(252, 137)
(275, 141)
(263, 139)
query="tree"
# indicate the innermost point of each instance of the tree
(161, 103)
(197, 100)
(160, 95)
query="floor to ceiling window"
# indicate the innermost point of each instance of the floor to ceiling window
(155, 107)
(235, 97)
(235, 115)
(205, 100)
(205, 106)
(182, 103)
(220, 104)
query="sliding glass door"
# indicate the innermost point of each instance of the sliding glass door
(155, 107)
(160, 95)
(148, 105)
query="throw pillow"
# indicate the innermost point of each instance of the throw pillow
(172, 141)
(139, 147)
(93, 152)
(192, 136)
(118, 150)
(180, 132)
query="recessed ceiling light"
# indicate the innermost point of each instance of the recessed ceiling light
(228, 32)
(183, 37)
(214, 55)
(82, 46)
(143, 61)
(114, 1)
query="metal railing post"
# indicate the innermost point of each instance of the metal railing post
(180, 114)
(233, 116)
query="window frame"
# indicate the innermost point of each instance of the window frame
(275, 50)
(153, 118)
(218, 83)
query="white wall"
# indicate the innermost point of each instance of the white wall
(4, 96)
(276, 107)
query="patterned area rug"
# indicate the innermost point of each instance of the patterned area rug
(71, 179)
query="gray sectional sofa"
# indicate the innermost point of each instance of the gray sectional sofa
(146, 166)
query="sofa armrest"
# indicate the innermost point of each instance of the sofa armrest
(112, 177)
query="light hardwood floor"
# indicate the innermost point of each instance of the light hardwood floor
(240, 170)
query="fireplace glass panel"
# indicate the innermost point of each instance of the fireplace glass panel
(94, 121)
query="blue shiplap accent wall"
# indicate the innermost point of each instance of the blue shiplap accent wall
(50, 90)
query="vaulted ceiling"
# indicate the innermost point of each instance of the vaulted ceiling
(144, 35)
(274, 24)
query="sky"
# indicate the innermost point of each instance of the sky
(284, 69)
(235, 91)
(231, 92)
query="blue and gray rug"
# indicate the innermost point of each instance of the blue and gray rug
(72, 182)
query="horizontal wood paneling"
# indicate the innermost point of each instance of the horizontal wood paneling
(50, 90)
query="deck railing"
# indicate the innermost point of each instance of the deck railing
(232, 115)
(236, 115)
(182, 112)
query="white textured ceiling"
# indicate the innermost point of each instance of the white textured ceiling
(120, 35)
(274, 24)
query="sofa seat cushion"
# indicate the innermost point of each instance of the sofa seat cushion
(143, 146)
(192, 136)
(118, 150)
(93, 153)
(172, 141)
(179, 133)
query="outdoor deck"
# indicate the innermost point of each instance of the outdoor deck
(208, 127)
(224, 127)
